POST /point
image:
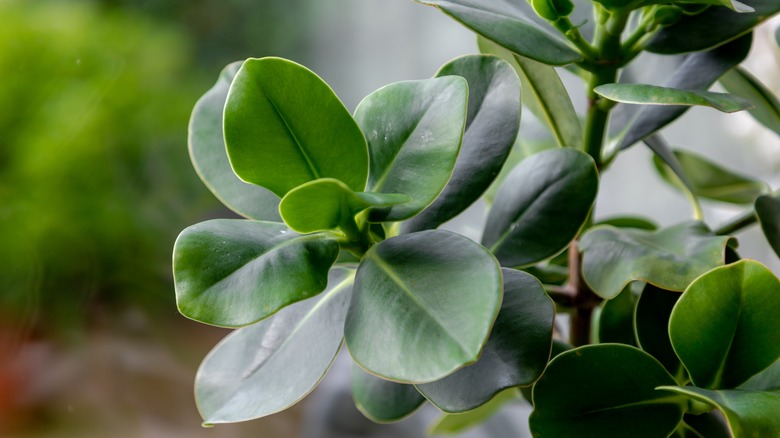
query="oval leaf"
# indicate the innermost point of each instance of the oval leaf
(516, 352)
(383, 401)
(768, 212)
(644, 94)
(491, 128)
(414, 131)
(541, 206)
(653, 311)
(669, 258)
(232, 273)
(509, 27)
(423, 306)
(208, 155)
(725, 328)
(604, 390)
(766, 106)
(284, 126)
(269, 366)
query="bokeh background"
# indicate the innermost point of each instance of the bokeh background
(95, 184)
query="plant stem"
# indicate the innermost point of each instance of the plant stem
(737, 223)
(583, 300)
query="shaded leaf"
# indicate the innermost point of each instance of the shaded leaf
(616, 318)
(423, 306)
(284, 126)
(644, 94)
(491, 128)
(267, 367)
(414, 131)
(766, 380)
(768, 212)
(232, 272)
(541, 206)
(208, 155)
(709, 425)
(725, 328)
(383, 401)
(456, 423)
(629, 222)
(766, 106)
(653, 311)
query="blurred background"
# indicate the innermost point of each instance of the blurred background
(95, 184)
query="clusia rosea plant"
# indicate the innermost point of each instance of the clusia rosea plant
(670, 331)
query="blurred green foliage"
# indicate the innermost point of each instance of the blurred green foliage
(95, 181)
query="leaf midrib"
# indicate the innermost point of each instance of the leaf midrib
(299, 145)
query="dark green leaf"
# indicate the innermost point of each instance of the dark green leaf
(284, 126)
(665, 159)
(508, 26)
(725, 328)
(652, 326)
(766, 380)
(669, 258)
(766, 106)
(616, 318)
(232, 272)
(644, 94)
(711, 28)
(423, 306)
(269, 366)
(516, 352)
(491, 128)
(541, 206)
(457, 423)
(604, 391)
(629, 222)
(414, 131)
(207, 151)
(768, 212)
(709, 425)
(383, 401)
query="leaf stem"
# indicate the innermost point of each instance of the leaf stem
(572, 33)
(737, 223)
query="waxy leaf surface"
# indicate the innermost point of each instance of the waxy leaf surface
(208, 155)
(414, 131)
(492, 122)
(284, 126)
(725, 328)
(603, 391)
(653, 311)
(541, 206)
(669, 258)
(768, 212)
(644, 94)
(267, 367)
(231, 272)
(516, 352)
(383, 401)
(423, 306)
(766, 106)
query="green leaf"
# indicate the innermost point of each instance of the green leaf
(208, 155)
(516, 352)
(457, 423)
(541, 206)
(269, 366)
(629, 222)
(284, 126)
(725, 328)
(509, 27)
(414, 131)
(652, 326)
(766, 380)
(232, 272)
(383, 401)
(603, 391)
(669, 258)
(491, 128)
(544, 94)
(749, 413)
(766, 106)
(708, 425)
(616, 318)
(327, 203)
(711, 28)
(423, 306)
(768, 212)
(708, 180)
(644, 94)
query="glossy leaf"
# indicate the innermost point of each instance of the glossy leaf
(544, 94)
(766, 106)
(284, 126)
(208, 155)
(423, 306)
(457, 423)
(383, 401)
(414, 131)
(652, 325)
(516, 352)
(768, 212)
(711, 181)
(644, 94)
(232, 272)
(541, 206)
(749, 413)
(711, 28)
(326, 204)
(669, 258)
(603, 391)
(616, 318)
(725, 328)
(508, 26)
(492, 122)
(267, 367)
